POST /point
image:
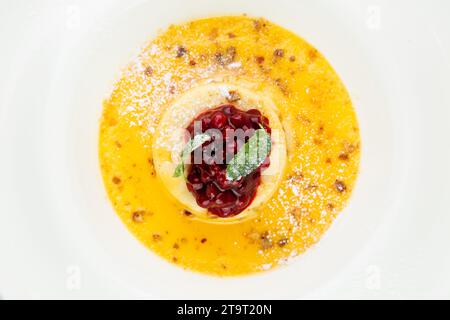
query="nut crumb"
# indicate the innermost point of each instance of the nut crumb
(266, 242)
(233, 96)
(278, 53)
(343, 156)
(259, 59)
(138, 216)
(116, 180)
(350, 147)
(227, 57)
(187, 213)
(181, 51)
(283, 242)
(258, 25)
(156, 237)
(148, 71)
(340, 186)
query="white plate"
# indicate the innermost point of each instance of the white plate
(59, 237)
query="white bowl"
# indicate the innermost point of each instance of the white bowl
(59, 236)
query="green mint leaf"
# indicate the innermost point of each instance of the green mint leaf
(179, 170)
(251, 155)
(193, 144)
(190, 146)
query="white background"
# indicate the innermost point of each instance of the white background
(59, 237)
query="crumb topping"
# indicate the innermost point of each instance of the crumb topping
(322, 136)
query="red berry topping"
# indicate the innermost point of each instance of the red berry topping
(207, 180)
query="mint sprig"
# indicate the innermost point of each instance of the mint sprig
(190, 146)
(251, 155)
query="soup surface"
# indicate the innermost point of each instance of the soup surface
(320, 134)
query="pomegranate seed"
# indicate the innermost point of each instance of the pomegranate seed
(237, 120)
(205, 123)
(225, 199)
(242, 201)
(255, 119)
(254, 112)
(197, 186)
(202, 201)
(193, 178)
(229, 110)
(205, 177)
(211, 191)
(218, 120)
(190, 128)
(207, 180)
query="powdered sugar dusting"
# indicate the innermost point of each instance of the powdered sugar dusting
(321, 130)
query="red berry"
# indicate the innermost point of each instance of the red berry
(211, 191)
(225, 199)
(268, 129)
(205, 177)
(254, 112)
(229, 109)
(207, 180)
(197, 186)
(255, 119)
(242, 201)
(193, 177)
(202, 201)
(218, 120)
(237, 120)
(205, 123)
